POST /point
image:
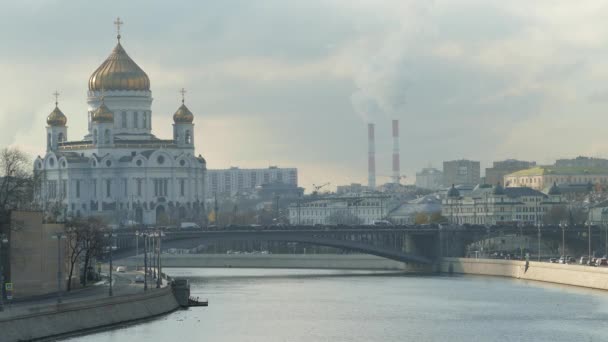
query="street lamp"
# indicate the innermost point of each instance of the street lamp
(59, 236)
(145, 236)
(160, 235)
(588, 224)
(539, 226)
(111, 236)
(137, 250)
(521, 236)
(3, 240)
(563, 226)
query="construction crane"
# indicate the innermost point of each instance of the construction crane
(318, 187)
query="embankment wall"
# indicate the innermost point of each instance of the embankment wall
(330, 261)
(576, 275)
(47, 322)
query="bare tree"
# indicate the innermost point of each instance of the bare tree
(16, 180)
(94, 241)
(85, 242)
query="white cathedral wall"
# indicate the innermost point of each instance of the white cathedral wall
(193, 174)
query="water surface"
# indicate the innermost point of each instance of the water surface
(322, 305)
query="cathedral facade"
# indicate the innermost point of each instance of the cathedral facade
(120, 170)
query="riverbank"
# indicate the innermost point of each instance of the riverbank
(47, 322)
(313, 261)
(575, 275)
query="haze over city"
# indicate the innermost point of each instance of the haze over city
(295, 83)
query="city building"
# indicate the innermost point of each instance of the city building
(499, 169)
(541, 177)
(497, 205)
(582, 162)
(429, 178)
(229, 182)
(120, 170)
(461, 172)
(428, 206)
(363, 210)
(29, 258)
(353, 188)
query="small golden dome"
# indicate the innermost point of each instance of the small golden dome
(183, 115)
(56, 118)
(103, 114)
(119, 72)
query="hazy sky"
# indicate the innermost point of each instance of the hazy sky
(293, 83)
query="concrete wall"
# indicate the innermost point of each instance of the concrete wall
(576, 275)
(70, 318)
(333, 261)
(33, 255)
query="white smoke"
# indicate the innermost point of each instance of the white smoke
(383, 72)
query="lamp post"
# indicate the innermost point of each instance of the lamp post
(539, 226)
(159, 278)
(152, 251)
(488, 239)
(521, 235)
(111, 236)
(563, 226)
(59, 236)
(145, 236)
(3, 240)
(137, 250)
(588, 223)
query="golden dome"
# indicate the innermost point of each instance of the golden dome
(103, 114)
(56, 118)
(119, 72)
(183, 115)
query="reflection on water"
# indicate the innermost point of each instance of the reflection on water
(324, 305)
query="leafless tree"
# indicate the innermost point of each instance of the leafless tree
(16, 181)
(85, 242)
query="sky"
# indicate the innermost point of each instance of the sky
(294, 83)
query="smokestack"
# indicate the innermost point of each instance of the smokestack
(371, 157)
(396, 164)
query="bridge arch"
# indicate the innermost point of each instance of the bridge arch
(191, 241)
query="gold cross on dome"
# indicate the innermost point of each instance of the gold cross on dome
(183, 92)
(118, 22)
(56, 94)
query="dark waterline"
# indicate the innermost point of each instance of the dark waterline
(325, 305)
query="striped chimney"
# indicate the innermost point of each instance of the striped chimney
(396, 164)
(371, 157)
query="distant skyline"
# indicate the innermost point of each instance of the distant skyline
(294, 83)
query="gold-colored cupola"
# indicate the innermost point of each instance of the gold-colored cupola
(119, 72)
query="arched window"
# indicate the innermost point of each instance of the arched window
(145, 118)
(107, 136)
(135, 119)
(124, 119)
(94, 136)
(60, 137)
(48, 140)
(188, 138)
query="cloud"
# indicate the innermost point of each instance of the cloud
(294, 83)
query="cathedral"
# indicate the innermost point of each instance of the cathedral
(120, 171)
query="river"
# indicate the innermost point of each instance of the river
(323, 305)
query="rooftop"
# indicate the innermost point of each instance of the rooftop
(555, 170)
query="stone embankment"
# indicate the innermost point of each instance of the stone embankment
(329, 261)
(575, 275)
(51, 321)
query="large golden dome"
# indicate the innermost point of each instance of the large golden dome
(119, 72)
(56, 118)
(183, 115)
(103, 114)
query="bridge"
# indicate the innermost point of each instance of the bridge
(419, 244)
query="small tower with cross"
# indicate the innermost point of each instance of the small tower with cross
(56, 130)
(183, 128)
